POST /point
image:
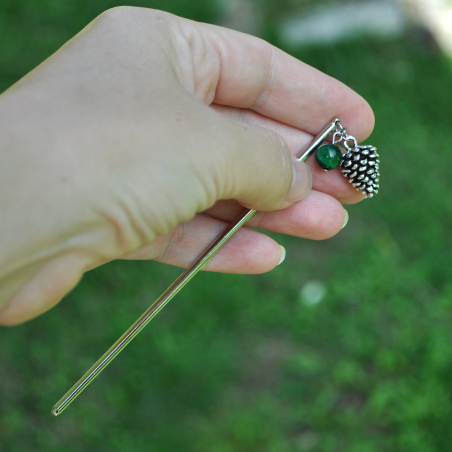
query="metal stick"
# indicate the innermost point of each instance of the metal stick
(172, 290)
(149, 314)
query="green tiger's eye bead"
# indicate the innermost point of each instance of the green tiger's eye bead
(328, 156)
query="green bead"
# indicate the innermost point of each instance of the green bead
(328, 156)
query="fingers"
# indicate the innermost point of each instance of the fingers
(317, 217)
(332, 182)
(253, 74)
(246, 252)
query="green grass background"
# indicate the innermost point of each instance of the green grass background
(238, 363)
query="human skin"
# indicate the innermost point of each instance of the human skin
(111, 147)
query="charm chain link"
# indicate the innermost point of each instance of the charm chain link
(340, 135)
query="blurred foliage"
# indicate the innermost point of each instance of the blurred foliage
(239, 363)
(275, 8)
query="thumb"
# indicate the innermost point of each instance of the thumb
(259, 170)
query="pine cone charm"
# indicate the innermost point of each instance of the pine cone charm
(360, 165)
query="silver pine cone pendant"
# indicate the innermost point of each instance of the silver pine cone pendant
(360, 165)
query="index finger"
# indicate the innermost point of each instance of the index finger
(256, 75)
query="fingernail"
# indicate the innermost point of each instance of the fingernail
(283, 255)
(301, 182)
(345, 219)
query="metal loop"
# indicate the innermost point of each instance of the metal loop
(350, 138)
(337, 134)
(340, 127)
(340, 135)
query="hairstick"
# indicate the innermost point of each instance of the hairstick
(359, 164)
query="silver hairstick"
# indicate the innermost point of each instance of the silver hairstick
(358, 163)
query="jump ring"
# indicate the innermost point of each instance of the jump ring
(337, 134)
(347, 139)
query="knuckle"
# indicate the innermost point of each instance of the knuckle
(126, 18)
(116, 14)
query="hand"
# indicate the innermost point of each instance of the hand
(111, 146)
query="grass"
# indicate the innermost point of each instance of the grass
(240, 363)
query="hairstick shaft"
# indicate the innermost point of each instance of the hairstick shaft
(172, 290)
